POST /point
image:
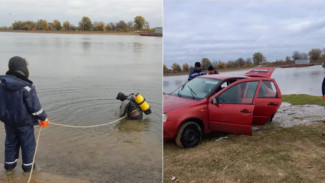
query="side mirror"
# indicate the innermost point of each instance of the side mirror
(214, 101)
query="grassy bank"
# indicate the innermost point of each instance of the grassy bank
(302, 99)
(272, 154)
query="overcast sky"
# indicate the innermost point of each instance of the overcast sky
(74, 10)
(227, 30)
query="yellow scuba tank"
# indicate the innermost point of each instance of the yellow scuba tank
(142, 103)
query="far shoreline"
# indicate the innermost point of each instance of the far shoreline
(131, 33)
(227, 70)
(219, 70)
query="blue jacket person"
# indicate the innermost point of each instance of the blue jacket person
(197, 71)
(20, 110)
(323, 88)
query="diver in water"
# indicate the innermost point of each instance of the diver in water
(129, 106)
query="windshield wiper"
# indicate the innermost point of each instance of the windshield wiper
(179, 91)
(192, 91)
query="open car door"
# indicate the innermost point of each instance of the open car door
(231, 109)
(265, 72)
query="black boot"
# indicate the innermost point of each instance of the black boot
(27, 169)
(9, 167)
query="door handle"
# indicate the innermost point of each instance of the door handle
(272, 104)
(245, 111)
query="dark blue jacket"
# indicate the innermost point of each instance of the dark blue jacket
(323, 87)
(19, 104)
(194, 73)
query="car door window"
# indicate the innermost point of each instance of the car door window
(267, 90)
(242, 93)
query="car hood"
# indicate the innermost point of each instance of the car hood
(173, 102)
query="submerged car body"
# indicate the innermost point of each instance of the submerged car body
(220, 103)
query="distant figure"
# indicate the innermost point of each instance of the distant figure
(323, 88)
(197, 71)
(211, 70)
(129, 107)
(20, 110)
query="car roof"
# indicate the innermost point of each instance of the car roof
(223, 77)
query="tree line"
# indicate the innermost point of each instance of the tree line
(315, 56)
(85, 24)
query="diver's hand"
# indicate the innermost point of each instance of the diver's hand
(44, 123)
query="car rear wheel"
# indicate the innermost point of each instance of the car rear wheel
(188, 135)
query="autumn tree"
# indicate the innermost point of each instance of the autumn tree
(17, 25)
(231, 64)
(28, 25)
(221, 65)
(176, 67)
(100, 26)
(296, 55)
(165, 69)
(248, 62)
(66, 25)
(185, 67)
(108, 27)
(112, 25)
(121, 26)
(258, 58)
(139, 22)
(214, 64)
(205, 63)
(315, 54)
(130, 24)
(146, 25)
(56, 25)
(287, 59)
(85, 24)
(240, 62)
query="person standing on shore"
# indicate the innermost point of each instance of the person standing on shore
(20, 110)
(197, 71)
(323, 88)
(212, 70)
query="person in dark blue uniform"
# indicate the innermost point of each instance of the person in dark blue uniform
(20, 110)
(197, 71)
(323, 88)
(212, 70)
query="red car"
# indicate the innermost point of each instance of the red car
(220, 103)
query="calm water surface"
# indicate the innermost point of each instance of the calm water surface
(77, 79)
(302, 80)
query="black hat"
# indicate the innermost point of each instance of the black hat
(121, 96)
(18, 65)
(197, 64)
(210, 68)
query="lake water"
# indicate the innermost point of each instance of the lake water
(299, 80)
(77, 79)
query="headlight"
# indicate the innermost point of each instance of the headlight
(164, 118)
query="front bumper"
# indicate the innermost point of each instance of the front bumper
(170, 129)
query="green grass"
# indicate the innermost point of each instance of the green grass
(302, 99)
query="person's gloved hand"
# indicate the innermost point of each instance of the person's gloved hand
(324, 97)
(44, 123)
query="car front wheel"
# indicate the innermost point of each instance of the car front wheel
(188, 135)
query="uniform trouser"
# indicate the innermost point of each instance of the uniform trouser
(17, 137)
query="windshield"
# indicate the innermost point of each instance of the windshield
(197, 88)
